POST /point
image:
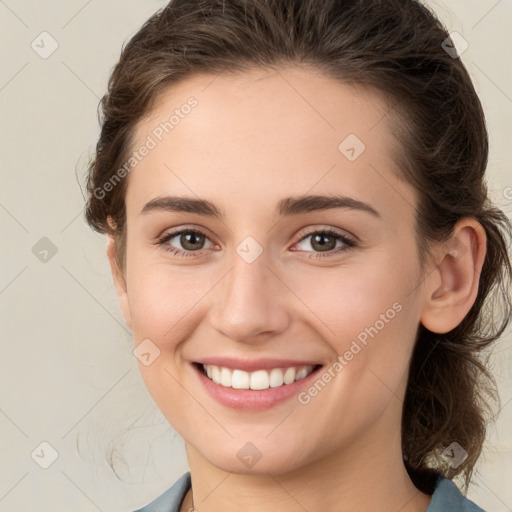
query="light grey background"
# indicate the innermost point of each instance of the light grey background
(68, 376)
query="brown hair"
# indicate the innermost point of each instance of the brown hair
(396, 48)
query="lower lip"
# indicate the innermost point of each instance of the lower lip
(250, 399)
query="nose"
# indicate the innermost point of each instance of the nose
(250, 302)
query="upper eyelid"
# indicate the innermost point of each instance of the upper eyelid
(310, 231)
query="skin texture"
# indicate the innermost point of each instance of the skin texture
(252, 140)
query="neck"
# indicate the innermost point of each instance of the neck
(367, 474)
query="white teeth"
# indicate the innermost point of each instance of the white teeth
(289, 375)
(240, 380)
(276, 378)
(216, 374)
(225, 377)
(301, 374)
(258, 380)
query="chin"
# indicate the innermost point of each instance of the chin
(248, 460)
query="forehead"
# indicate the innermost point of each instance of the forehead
(265, 134)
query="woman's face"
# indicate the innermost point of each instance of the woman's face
(261, 286)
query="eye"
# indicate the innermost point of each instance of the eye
(325, 241)
(191, 240)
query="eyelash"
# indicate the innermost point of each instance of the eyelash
(349, 243)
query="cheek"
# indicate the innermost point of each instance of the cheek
(349, 300)
(166, 304)
(369, 320)
(165, 299)
(367, 315)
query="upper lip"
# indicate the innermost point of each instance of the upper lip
(250, 365)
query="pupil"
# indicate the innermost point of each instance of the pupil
(189, 239)
(317, 239)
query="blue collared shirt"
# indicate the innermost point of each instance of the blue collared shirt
(446, 498)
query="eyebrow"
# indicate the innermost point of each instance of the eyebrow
(286, 207)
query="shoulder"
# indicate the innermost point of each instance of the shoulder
(447, 497)
(170, 500)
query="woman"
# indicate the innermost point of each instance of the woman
(302, 244)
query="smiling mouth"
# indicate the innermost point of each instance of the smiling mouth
(256, 380)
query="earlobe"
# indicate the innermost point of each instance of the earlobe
(452, 287)
(119, 280)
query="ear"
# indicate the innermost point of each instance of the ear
(119, 281)
(452, 286)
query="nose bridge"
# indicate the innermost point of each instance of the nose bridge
(249, 301)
